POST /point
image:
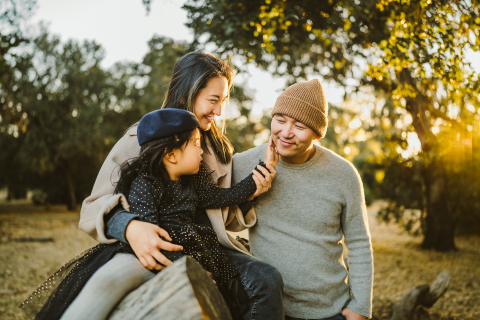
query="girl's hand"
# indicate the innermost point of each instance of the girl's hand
(144, 238)
(263, 184)
(271, 155)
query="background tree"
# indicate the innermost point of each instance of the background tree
(56, 115)
(414, 52)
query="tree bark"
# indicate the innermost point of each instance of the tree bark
(183, 291)
(72, 199)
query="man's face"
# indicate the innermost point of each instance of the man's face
(293, 139)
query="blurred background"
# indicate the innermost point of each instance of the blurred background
(401, 78)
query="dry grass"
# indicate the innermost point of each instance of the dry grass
(399, 263)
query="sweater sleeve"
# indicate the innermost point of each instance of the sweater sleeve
(116, 222)
(359, 246)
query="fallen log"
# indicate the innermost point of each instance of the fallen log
(183, 291)
(424, 295)
(33, 239)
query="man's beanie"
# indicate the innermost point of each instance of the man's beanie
(165, 122)
(306, 103)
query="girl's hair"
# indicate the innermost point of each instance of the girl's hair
(150, 161)
(191, 74)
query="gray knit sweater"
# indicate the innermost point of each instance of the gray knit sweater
(300, 224)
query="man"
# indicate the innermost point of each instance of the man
(315, 200)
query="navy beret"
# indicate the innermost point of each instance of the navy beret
(165, 122)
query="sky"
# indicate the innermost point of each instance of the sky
(123, 29)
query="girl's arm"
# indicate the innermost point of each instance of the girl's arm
(212, 196)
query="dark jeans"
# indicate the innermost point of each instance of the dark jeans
(337, 317)
(259, 294)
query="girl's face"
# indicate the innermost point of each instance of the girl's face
(190, 156)
(209, 101)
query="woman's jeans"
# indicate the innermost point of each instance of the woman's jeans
(260, 292)
(337, 317)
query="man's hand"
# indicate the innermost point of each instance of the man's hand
(350, 315)
(144, 238)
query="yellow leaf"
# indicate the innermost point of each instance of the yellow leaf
(348, 24)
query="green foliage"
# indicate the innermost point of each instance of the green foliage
(61, 112)
(54, 114)
(244, 130)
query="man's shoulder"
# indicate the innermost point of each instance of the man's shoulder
(252, 154)
(337, 161)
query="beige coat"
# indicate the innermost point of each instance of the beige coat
(102, 199)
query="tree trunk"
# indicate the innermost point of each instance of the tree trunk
(439, 224)
(183, 291)
(72, 199)
(439, 227)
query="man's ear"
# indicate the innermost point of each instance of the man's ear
(170, 157)
(318, 138)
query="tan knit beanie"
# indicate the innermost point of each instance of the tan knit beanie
(306, 103)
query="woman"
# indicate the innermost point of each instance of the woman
(200, 83)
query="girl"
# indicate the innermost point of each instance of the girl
(165, 186)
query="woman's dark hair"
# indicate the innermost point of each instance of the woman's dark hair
(191, 74)
(150, 161)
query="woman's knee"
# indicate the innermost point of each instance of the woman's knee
(273, 276)
(265, 275)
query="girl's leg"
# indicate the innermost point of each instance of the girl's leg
(107, 287)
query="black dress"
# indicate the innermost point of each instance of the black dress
(172, 205)
(168, 204)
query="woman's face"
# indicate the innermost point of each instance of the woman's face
(209, 101)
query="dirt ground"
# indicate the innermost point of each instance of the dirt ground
(399, 262)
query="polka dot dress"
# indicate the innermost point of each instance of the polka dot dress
(172, 206)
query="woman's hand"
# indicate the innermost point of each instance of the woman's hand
(144, 238)
(263, 183)
(350, 315)
(271, 155)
